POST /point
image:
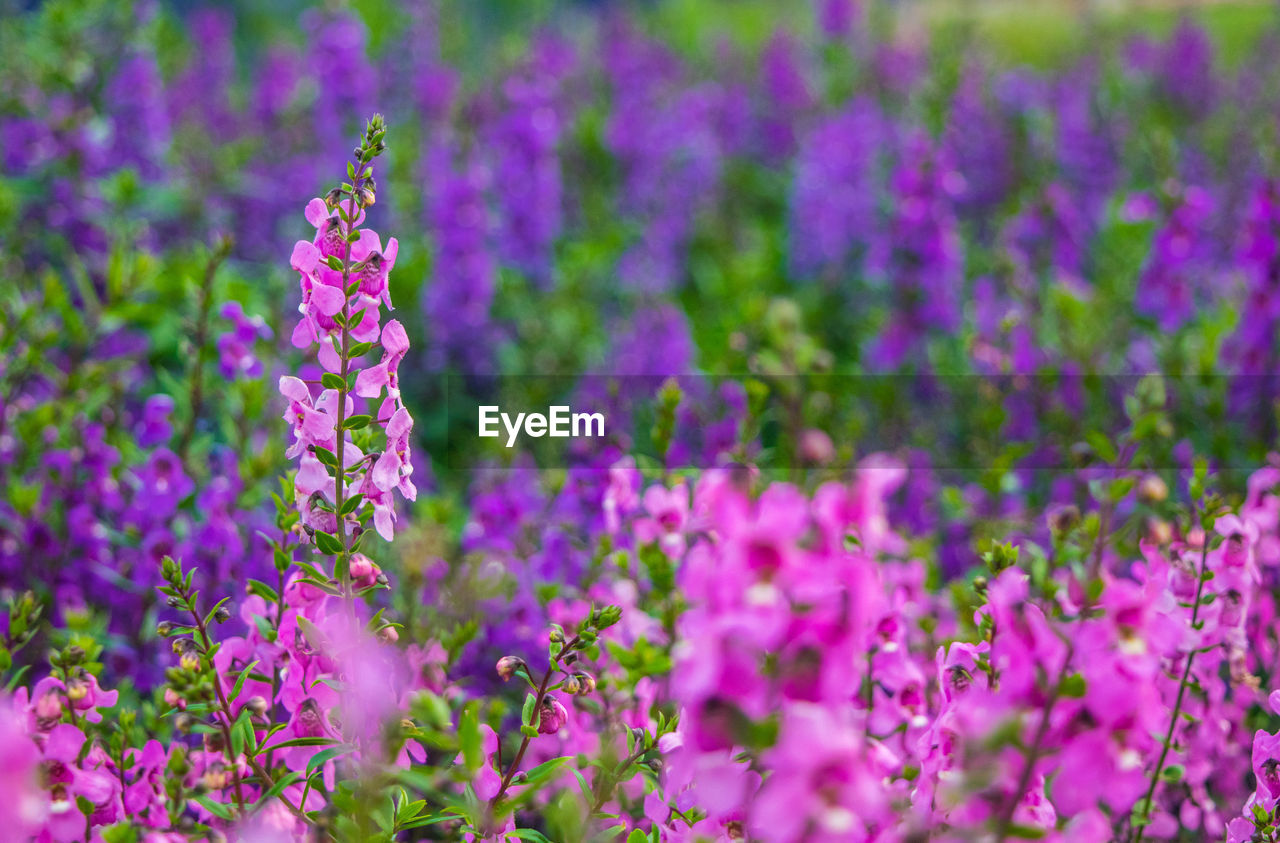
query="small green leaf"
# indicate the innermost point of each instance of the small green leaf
(328, 543)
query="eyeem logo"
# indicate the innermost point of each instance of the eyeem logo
(559, 423)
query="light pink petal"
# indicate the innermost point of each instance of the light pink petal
(328, 300)
(305, 257)
(329, 357)
(386, 472)
(317, 212)
(394, 339)
(294, 389)
(303, 334)
(64, 743)
(369, 383)
(312, 477)
(382, 520)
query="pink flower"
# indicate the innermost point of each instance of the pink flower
(24, 807)
(668, 511)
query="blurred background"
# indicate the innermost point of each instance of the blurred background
(966, 232)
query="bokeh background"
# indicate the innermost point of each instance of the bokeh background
(1039, 202)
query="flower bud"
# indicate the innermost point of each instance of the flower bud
(1063, 518)
(816, 447)
(586, 683)
(508, 666)
(551, 716)
(1152, 489)
(222, 614)
(77, 690)
(164, 629)
(1159, 531)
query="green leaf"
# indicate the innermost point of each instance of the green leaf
(545, 770)
(469, 738)
(357, 422)
(527, 711)
(218, 809)
(323, 756)
(529, 834)
(307, 741)
(637, 836)
(280, 784)
(325, 456)
(1073, 686)
(244, 674)
(352, 503)
(331, 381)
(328, 543)
(262, 590)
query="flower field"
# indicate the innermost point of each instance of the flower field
(666, 421)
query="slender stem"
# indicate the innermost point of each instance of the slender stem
(1182, 690)
(225, 723)
(524, 743)
(1033, 754)
(610, 780)
(200, 341)
(339, 479)
(224, 707)
(537, 713)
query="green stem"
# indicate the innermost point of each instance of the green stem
(339, 480)
(1182, 690)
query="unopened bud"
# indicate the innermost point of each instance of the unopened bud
(222, 614)
(1159, 531)
(508, 666)
(77, 689)
(1153, 489)
(1063, 518)
(816, 447)
(163, 629)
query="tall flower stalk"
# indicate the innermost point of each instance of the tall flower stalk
(349, 461)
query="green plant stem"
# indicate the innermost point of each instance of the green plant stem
(1032, 756)
(201, 341)
(1182, 690)
(537, 713)
(225, 723)
(339, 480)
